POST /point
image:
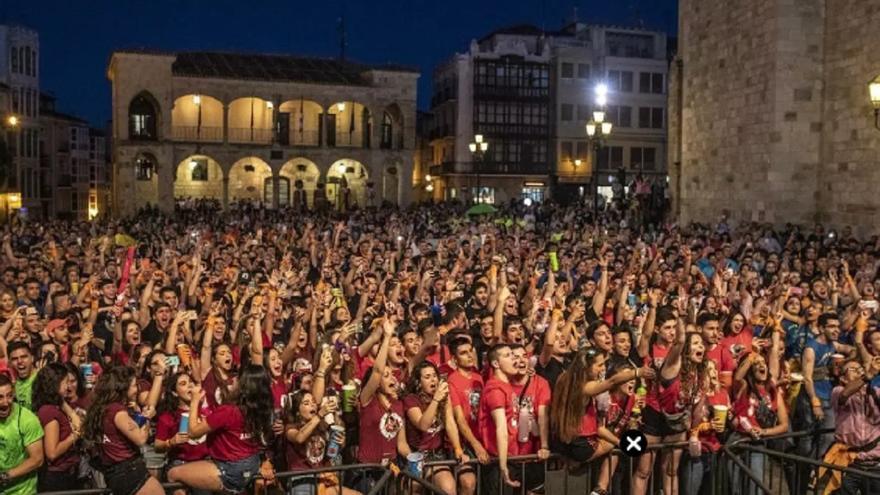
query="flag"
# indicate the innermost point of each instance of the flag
(351, 120)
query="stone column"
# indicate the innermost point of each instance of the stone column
(225, 123)
(276, 194)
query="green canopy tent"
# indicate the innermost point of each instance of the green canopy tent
(481, 209)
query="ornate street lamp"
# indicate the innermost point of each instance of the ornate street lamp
(874, 93)
(598, 130)
(478, 150)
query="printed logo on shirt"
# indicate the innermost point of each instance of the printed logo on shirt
(316, 445)
(474, 401)
(390, 424)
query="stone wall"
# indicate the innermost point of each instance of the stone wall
(774, 116)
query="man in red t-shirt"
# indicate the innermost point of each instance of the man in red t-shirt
(465, 389)
(710, 327)
(497, 419)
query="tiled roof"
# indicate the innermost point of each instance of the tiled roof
(274, 68)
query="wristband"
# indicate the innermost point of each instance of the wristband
(816, 402)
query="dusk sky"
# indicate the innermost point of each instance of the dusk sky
(77, 38)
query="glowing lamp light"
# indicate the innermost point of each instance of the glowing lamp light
(269, 105)
(527, 201)
(429, 188)
(577, 163)
(93, 212)
(874, 92)
(478, 138)
(193, 164)
(606, 128)
(340, 106)
(599, 116)
(12, 121)
(341, 168)
(591, 129)
(15, 198)
(484, 146)
(473, 147)
(429, 178)
(197, 100)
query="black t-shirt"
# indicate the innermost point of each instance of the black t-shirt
(152, 335)
(550, 372)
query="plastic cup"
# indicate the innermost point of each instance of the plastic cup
(184, 423)
(721, 413)
(837, 359)
(797, 378)
(348, 392)
(415, 462)
(184, 352)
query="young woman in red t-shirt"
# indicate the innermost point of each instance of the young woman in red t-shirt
(704, 441)
(237, 433)
(62, 427)
(429, 414)
(110, 427)
(170, 440)
(574, 418)
(670, 404)
(306, 437)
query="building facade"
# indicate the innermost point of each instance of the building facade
(633, 65)
(771, 114)
(279, 130)
(23, 187)
(529, 93)
(499, 89)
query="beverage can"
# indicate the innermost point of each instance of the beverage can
(333, 445)
(184, 423)
(415, 462)
(87, 372)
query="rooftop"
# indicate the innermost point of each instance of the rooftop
(271, 67)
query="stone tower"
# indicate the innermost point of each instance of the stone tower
(769, 114)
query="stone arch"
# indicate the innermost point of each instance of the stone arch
(250, 120)
(197, 117)
(348, 125)
(198, 176)
(391, 134)
(143, 117)
(250, 179)
(302, 118)
(347, 184)
(302, 176)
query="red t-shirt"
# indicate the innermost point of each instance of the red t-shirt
(464, 392)
(309, 454)
(747, 404)
(417, 439)
(69, 459)
(378, 431)
(723, 359)
(115, 447)
(228, 440)
(655, 359)
(211, 386)
(619, 413)
(279, 388)
(536, 395)
(361, 363)
(738, 345)
(167, 426)
(498, 395)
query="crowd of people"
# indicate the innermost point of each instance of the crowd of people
(215, 348)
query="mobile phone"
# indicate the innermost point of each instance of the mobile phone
(631, 300)
(172, 362)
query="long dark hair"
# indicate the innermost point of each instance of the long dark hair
(569, 400)
(46, 386)
(170, 400)
(255, 402)
(414, 386)
(111, 388)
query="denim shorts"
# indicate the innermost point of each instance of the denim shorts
(237, 475)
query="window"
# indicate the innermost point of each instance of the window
(566, 150)
(483, 195)
(144, 168)
(624, 116)
(142, 119)
(385, 142)
(74, 200)
(583, 150)
(536, 194)
(27, 60)
(583, 113)
(566, 112)
(567, 70)
(13, 56)
(643, 158)
(651, 82)
(199, 169)
(629, 45)
(610, 158)
(583, 71)
(650, 118)
(620, 81)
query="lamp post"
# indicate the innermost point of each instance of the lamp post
(11, 124)
(478, 150)
(598, 129)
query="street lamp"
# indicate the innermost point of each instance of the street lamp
(598, 130)
(478, 150)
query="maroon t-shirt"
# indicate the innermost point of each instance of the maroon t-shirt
(309, 454)
(69, 459)
(167, 426)
(378, 431)
(115, 447)
(228, 440)
(423, 440)
(211, 385)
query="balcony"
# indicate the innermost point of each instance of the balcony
(345, 139)
(490, 168)
(512, 129)
(510, 92)
(305, 138)
(246, 135)
(195, 133)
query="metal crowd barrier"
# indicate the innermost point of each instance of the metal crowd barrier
(731, 470)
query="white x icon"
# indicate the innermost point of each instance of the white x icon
(633, 444)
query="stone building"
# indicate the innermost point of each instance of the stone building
(770, 115)
(277, 129)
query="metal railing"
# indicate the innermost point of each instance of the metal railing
(250, 135)
(197, 133)
(730, 471)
